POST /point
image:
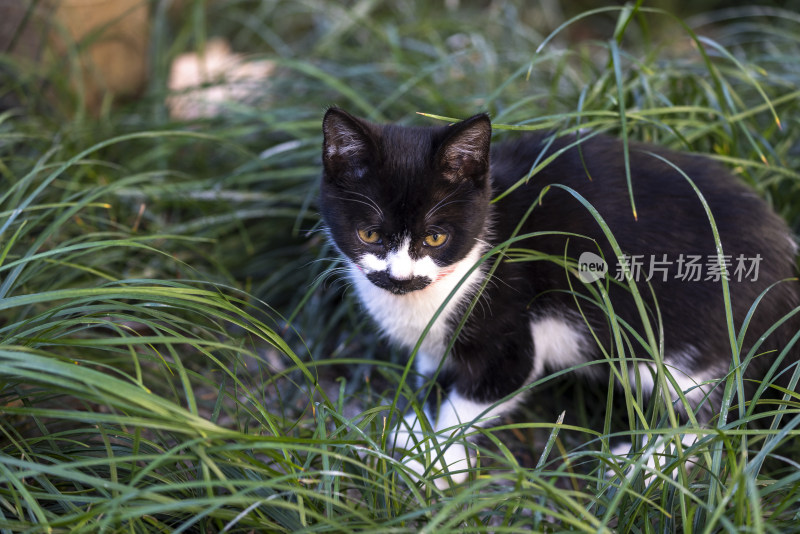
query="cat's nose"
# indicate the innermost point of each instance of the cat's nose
(401, 286)
(398, 286)
(403, 282)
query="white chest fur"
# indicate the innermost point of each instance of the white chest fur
(404, 318)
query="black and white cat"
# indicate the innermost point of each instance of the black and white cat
(410, 209)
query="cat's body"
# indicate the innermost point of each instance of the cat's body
(410, 210)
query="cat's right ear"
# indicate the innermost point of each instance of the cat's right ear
(347, 146)
(465, 151)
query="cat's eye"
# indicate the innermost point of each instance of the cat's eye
(370, 237)
(435, 240)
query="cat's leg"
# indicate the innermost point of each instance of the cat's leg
(446, 449)
(482, 378)
(696, 386)
(700, 394)
(486, 376)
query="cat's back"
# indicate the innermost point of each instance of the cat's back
(647, 194)
(673, 193)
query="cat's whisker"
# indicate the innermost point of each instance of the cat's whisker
(436, 207)
(333, 260)
(370, 200)
(369, 204)
(484, 299)
(443, 203)
(324, 276)
(338, 277)
(308, 232)
(444, 206)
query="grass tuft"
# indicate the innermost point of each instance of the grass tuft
(180, 352)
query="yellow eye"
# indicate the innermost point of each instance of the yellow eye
(435, 240)
(370, 237)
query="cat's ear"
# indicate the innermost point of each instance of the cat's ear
(347, 146)
(464, 153)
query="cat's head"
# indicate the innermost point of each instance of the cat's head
(405, 204)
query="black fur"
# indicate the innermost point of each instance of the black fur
(406, 171)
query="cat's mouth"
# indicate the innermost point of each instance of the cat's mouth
(398, 286)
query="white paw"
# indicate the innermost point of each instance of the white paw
(446, 463)
(654, 458)
(449, 469)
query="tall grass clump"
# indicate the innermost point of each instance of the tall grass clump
(179, 351)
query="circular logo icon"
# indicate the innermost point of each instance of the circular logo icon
(591, 267)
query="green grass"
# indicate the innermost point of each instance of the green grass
(176, 354)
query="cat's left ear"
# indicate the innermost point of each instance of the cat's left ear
(464, 153)
(348, 147)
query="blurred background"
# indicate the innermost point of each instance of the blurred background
(113, 51)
